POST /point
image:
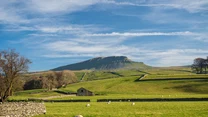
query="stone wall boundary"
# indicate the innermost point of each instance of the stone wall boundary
(21, 109)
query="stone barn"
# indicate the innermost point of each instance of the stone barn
(84, 92)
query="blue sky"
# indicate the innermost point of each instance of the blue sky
(52, 33)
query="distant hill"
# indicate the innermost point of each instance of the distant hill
(104, 63)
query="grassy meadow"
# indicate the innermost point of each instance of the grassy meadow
(126, 84)
(166, 82)
(125, 109)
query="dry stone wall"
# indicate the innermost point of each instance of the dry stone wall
(21, 109)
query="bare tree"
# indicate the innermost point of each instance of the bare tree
(2, 86)
(49, 80)
(65, 77)
(11, 65)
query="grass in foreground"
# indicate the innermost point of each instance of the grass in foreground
(125, 109)
(36, 93)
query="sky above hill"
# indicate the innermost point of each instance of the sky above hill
(53, 33)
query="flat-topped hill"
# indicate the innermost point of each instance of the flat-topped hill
(104, 63)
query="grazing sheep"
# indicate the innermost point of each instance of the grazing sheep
(78, 116)
(133, 104)
(44, 111)
(109, 102)
(88, 105)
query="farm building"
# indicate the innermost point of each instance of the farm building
(84, 92)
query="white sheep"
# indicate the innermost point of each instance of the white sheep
(78, 116)
(133, 104)
(88, 105)
(44, 111)
(109, 102)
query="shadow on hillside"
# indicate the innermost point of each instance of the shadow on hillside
(193, 88)
(143, 72)
(171, 79)
(115, 73)
(183, 71)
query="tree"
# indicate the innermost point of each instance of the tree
(49, 80)
(11, 65)
(200, 65)
(2, 86)
(33, 84)
(65, 77)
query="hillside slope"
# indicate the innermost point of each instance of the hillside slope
(150, 85)
(104, 63)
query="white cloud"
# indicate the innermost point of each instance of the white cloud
(16, 11)
(73, 47)
(129, 34)
(191, 6)
(169, 57)
(9, 14)
(177, 57)
(57, 6)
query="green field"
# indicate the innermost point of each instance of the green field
(126, 84)
(125, 109)
(37, 93)
(171, 82)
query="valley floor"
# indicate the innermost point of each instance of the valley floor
(126, 109)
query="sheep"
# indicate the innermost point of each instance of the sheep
(78, 116)
(44, 112)
(109, 102)
(133, 104)
(88, 105)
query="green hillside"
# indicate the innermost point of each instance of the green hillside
(106, 74)
(150, 85)
(169, 82)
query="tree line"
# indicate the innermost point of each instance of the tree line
(51, 79)
(12, 68)
(200, 65)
